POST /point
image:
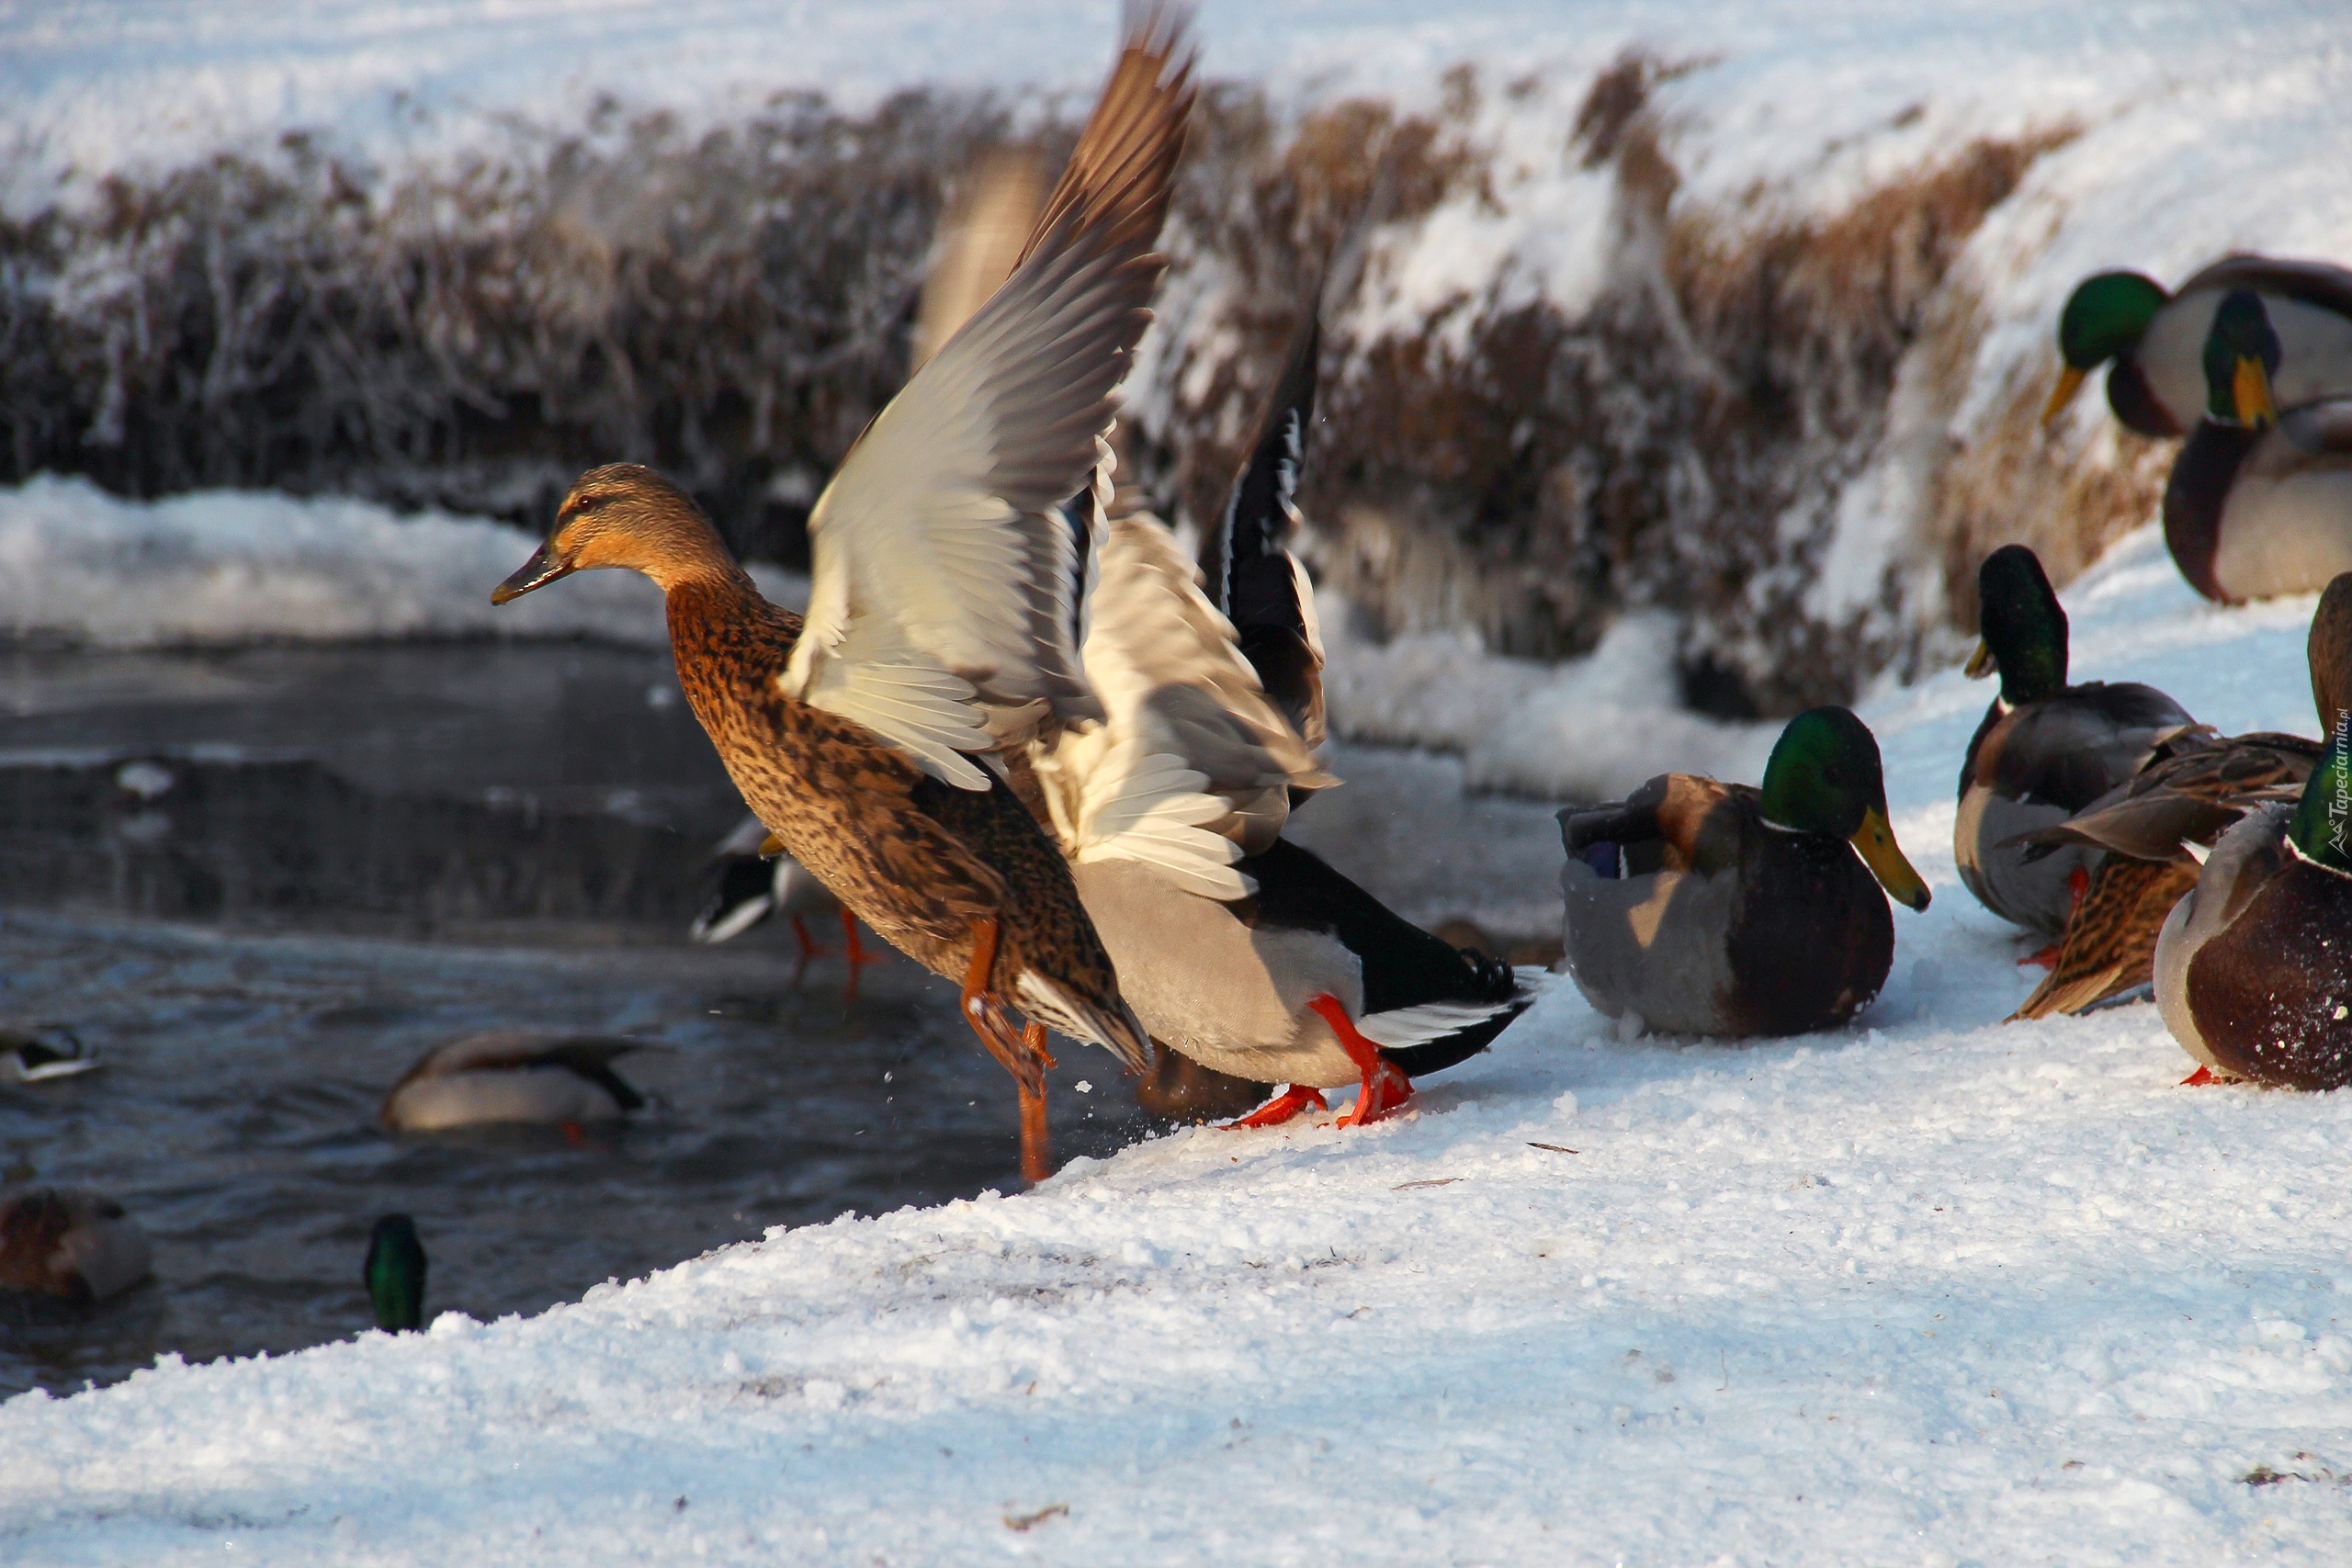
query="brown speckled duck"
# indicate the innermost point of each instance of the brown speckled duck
(64, 1246)
(939, 628)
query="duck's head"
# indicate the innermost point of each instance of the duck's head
(2322, 829)
(2021, 627)
(623, 515)
(1824, 777)
(2329, 648)
(2105, 317)
(395, 1274)
(2241, 356)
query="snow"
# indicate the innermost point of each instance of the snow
(1931, 1290)
(78, 566)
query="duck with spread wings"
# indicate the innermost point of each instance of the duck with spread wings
(939, 623)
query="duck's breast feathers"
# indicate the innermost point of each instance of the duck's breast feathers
(2069, 748)
(941, 580)
(1811, 939)
(2269, 970)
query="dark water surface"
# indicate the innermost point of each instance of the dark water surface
(335, 859)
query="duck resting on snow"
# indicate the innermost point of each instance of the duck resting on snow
(2044, 751)
(509, 1076)
(2157, 340)
(2154, 827)
(1701, 907)
(939, 629)
(2260, 500)
(2254, 965)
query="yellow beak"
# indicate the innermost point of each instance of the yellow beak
(771, 847)
(1981, 664)
(2250, 390)
(2070, 381)
(1874, 841)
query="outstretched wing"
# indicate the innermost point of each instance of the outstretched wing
(1193, 766)
(1253, 577)
(940, 602)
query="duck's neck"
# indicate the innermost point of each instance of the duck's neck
(720, 619)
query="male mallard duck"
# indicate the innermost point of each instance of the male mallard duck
(939, 622)
(43, 1053)
(1702, 908)
(2157, 340)
(68, 1245)
(2254, 965)
(395, 1274)
(2045, 750)
(750, 884)
(508, 1075)
(2193, 789)
(2260, 501)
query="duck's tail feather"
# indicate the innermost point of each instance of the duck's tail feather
(1114, 1027)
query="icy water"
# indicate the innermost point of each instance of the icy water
(261, 883)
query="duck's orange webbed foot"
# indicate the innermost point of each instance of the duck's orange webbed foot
(2047, 958)
(1385, 1088)
(1289, 1101)
(808, 948)
(2200, 1077)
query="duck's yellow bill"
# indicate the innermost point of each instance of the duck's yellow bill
(1874, 841)
(771, 847)
(2070, 381)
(1981, 664)
(2250, 390)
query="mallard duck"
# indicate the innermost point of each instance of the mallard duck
(939, 629)
(1701, 907)
(2254, 965)
(2157, 340)
(43, 1054)
(2045, 750)
(750, 882)
(2195, 786)
(2260, 500)
(395, 1274)
(509, 1076)
(67, 1246)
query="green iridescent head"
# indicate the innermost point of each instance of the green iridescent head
(2241, 354)
(1824, 777)
(2022, 624)
(2323, 824)
(2105, 317)
(395, 1274)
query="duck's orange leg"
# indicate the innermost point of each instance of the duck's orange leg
(2200, 1077)
(1289, 1101)
(808, 948)
(1385, 1088)
(856, 944)
(1023, 1055)
(2078, 882)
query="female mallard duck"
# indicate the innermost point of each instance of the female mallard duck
(752, 881)
(66, 1246)
(1700, 907)
(2260, 501)
(2157, 340)
(2196, 787)
(939, 622)
(2045, 750)
(395, 1274)
(507, 1076)
(2254, 965)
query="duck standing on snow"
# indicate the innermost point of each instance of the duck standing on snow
(61, 1246)
(2157, 340)
(2045, 751)
(2154, 827)
(2254, 965)
(395, 1274)
(2260, 500)
(1700, 907)
(939, 628)
(507, 1076)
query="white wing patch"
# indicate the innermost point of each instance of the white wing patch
(1434, 1020)
(1120, 800)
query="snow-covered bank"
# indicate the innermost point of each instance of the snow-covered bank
(223, 567)
(1935, 1290)
(1738, 313)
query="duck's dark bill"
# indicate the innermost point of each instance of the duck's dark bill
(539, 570)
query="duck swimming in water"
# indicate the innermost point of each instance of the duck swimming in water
(939, 629)
(510, 1075)
(65, 1247)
